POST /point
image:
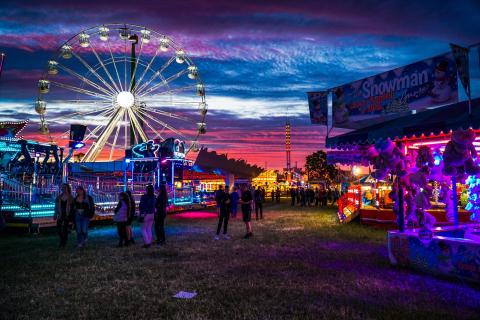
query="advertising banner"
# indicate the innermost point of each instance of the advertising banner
(413, 88)
(318, 105)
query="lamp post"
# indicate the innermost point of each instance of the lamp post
(2, 60)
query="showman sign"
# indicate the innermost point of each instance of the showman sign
(413, 88)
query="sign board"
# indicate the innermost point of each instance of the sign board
(410, 89)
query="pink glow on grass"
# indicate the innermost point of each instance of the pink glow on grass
(194, 215)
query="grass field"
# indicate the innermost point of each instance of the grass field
(300, 264)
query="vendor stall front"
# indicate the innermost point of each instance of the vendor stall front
(418, 135)
(427, 168)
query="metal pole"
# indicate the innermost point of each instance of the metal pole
(401, 218)
(2, 57)
(125, 177)
(454, 200)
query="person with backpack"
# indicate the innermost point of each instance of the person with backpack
(161, 213)
(146, 215)
(63, 213)
(258, 196)
(84, 210)
(121, 218)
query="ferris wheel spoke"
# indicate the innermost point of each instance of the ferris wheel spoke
(156, 74)
(148, 67)
(137, 126)
(125, 129)
(83, 79)
(104, 68)
(125, 65)
(112, 150)
(93, 133)
(97, 147)
(164, 124)
(163, 83)
(176, 90)
(79, 113)
(95, 73)
(157, 134)
(132, 78)
(114, 64)
(170, 115)
(80, 90)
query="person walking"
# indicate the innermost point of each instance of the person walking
(302, 198)
(246, 201)
(161, 213)
(258, 196)
(317, 196)
(132, 208)
(272, 194)
(63, 213)
(84, 209)
(224, 200)
(277, 195)
(234, 197)
(121, 218)
(293, 195)
(146, 215)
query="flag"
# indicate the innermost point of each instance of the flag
(460, 55)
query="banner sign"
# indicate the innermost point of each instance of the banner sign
(318, 105)
(413, 88)
(461, 60)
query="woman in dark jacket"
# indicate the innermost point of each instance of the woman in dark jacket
(160, 214)
(63, 213)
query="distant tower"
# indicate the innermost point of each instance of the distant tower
(288, 145)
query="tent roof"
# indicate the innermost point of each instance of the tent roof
(427, 123)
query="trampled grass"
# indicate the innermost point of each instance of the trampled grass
(300, 264)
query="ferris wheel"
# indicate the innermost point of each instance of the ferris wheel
(128, 84)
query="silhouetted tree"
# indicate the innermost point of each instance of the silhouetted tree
(318, 169)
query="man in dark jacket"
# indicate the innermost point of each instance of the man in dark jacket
(223, 201)
(258, 195)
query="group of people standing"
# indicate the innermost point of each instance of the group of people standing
(78, 210)
(313, 197)
(81, 208)
(151, 210)
(227, 204)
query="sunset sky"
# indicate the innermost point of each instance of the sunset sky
(257, 58)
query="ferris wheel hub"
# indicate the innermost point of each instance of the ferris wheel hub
(125, 99)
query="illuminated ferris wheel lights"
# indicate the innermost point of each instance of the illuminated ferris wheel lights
(164, 44)
(200, 89)
(44, 86)
(40, 106)
(52, 67)
(84, 40)
(125, 99)
(66, 51)
(203, 109)
(180, 56)
(202, 128)
(193, 72)
(125, 108)
(145, 35)
(103, 33)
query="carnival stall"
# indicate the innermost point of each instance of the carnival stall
(429, 161)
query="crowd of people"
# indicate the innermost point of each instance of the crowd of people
(79, 209)
(152, 211)
(308, 197)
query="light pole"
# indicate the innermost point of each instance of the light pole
(134, 41)
(2, 59)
